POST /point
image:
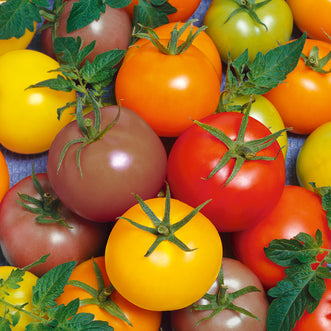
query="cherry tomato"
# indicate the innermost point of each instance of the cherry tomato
(298, 210)
(241, 31)
(19, 296)
(168, 91)
(303, 99)
(62, 243)
(185, 9)
(236, 277)
(202, 41)
(112, 30)
(28, 117)
(4, 176)
(166, 277)
(320, 319)
(312, 17)
(129, 158)
(313, 163)
(196, 153)
(141, 319)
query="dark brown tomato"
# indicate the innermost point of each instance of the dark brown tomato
(112, 30)
(236, 277)
(130, 158)
(23, 240)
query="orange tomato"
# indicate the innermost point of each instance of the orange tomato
(168, 91)
(4, 176)
(203, 42)
(141, 319)
(303, 99)
(185, 9)
(312, 17)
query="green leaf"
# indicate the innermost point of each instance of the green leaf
(17, 16)
(118, 3)
(4, 324)
(58, 84)
(50, 286)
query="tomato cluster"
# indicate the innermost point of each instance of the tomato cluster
(153, 170)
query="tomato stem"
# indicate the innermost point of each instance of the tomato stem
(314, 61)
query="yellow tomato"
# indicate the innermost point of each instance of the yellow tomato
(168, 278)
(314, 158)
(4, 176)
(18, 296)
(28, 117)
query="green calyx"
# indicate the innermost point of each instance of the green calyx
(316, 63)
(250, 7)
(47, 208)
(174, 46)
(91, 131)
(223, 300)
(163, 230)
(240, 150)
(100, 297)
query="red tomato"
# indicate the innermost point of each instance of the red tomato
(303, 99)
(298, 210)
(320, 319)
(246, 199)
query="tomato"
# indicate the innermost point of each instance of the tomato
(163, 277)
(129, 158)
(168, 91)
(141, 319)
(265, 112)
(112, 30)
(241, 31)
(13, 43)
(196, 153)
(236, 277)
(313, 163)
(28, 117)
(298, 210)
(185, 9)
(312, 17)
(62, 243)
(4, 176)
(19, 296)
(202, 41)
(320, 319)
(303, 100)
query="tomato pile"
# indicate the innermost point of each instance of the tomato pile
(165, 165)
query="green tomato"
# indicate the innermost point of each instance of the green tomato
(19, 296)
(237, 25)
(314, 159)
(265, 112)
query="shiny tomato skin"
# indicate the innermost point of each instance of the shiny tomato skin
(202, 41)
(319, 319)
(298, 210)
(168, 91)
(241, 32)
(141, 319)
(303, 99)
(63, 244)
(112, 30)
(236, 277)
(313, 163)
(31, 124)
(185, 9)
(256, 188)
(312, 17)
(20, 296)
(169, 278)
(129, 158)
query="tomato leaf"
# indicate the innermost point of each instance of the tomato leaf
(325, 193)
(50, 286)
(17, 16)
(303, 287)
(4, 324)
